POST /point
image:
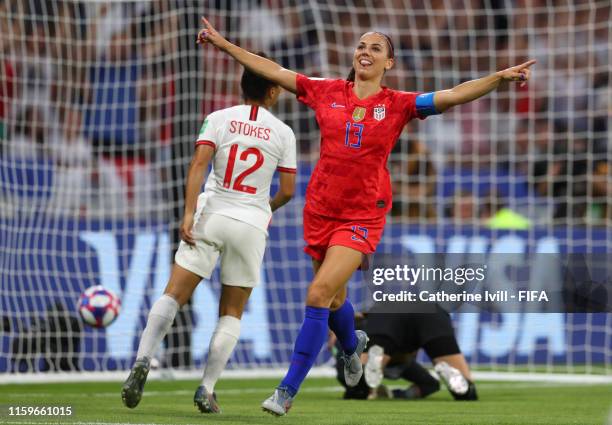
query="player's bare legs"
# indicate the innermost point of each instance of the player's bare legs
(181, 285)
(340, 296)
(339, 299)
(222, 343)
(330, 280)
(179, 289)
(336, 269)
(233, 300)
(342, 322)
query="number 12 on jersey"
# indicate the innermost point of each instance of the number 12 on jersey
(358, 133)
(229, 171)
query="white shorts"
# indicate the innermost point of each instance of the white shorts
(240, 245)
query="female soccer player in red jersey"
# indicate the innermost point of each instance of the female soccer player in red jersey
(349, 192)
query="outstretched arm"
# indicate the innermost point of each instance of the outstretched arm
(471, 90)
(268, 69)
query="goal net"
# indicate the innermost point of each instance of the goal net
(100, 104)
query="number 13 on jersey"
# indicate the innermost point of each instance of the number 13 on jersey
(229, 171)
(351, 133)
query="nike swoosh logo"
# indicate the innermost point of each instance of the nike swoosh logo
(335, 105)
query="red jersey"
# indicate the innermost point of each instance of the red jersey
(351, 179)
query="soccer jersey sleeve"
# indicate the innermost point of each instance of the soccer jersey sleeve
(208, 133)
(288, 162)
(310, 89)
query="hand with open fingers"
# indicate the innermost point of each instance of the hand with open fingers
(209, 34)
(518, 73)
(185, 230)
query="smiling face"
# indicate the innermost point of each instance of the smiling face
(372, 57)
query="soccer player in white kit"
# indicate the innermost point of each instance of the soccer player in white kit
(246, 145)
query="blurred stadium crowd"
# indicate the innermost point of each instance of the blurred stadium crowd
(85, 88)
(88, 88)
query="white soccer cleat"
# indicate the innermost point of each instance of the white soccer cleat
(374, 366)
(279, 403)
(452, 378)
(353, 369)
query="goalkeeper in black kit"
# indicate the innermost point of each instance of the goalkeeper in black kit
(395, 340)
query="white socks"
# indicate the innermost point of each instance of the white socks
(222, 344)
(160, 319)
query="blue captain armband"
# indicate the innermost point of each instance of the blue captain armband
(425, 104)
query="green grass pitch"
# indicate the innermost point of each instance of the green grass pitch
(319, 402)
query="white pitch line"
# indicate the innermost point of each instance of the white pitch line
(325, 389)
(233, 391)
(318, 372)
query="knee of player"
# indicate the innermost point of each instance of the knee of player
(319, 296)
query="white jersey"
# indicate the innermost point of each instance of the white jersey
(250, 145)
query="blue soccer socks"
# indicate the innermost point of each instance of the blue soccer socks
(342, 323)
(311, 338)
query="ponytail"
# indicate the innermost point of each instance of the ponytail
(351, 76)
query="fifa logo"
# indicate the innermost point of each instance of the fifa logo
(379, 112)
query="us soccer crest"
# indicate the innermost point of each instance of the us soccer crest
(379, 112)
(359, 113)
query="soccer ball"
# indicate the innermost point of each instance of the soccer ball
(98, 306)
